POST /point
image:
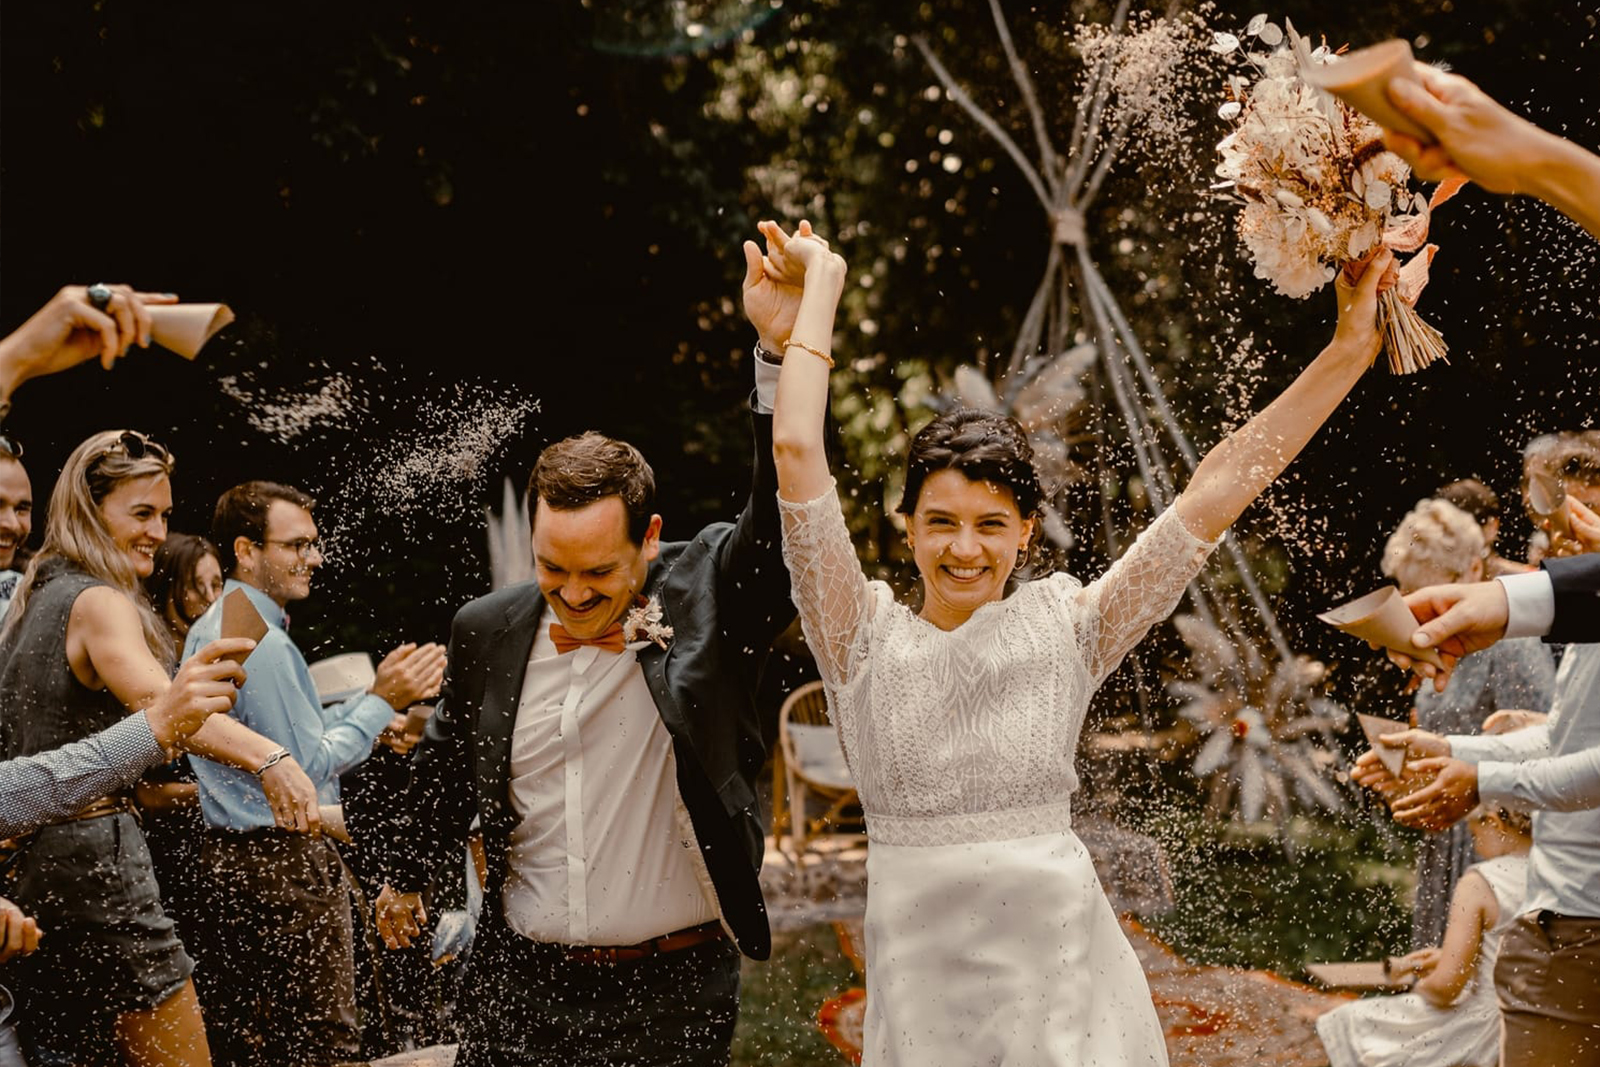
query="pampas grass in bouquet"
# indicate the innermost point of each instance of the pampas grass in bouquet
(1316, 186)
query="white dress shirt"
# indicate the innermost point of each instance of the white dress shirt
(1554, 769)
(1530, 603)
(604, 853)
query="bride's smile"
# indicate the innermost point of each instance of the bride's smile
(966, 536)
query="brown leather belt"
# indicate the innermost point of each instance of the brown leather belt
(114, 804)
(673, 942)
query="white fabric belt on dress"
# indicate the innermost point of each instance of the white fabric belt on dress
(969, 827)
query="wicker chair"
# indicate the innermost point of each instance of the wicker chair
(813, 763)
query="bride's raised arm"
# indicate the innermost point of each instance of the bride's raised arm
(829, 588)
(1145, 585)
(1233, 474)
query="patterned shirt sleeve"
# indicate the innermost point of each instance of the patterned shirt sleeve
(35, 790)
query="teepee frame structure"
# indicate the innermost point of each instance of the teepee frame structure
(1066, 184)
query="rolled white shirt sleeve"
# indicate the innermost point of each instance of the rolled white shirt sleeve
(767, 383)
(1530, 603)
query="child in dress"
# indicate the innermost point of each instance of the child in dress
(1451, 1016)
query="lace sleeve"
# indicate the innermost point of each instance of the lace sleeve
(1137, 592)
(829, 589)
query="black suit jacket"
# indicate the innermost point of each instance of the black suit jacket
(1576, 582)
(726, 596)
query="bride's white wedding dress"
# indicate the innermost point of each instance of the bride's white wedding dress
(988, 937)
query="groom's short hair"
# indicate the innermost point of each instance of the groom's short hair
(575, 473)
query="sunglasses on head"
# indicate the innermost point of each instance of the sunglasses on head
(135, 445)
(10, 445)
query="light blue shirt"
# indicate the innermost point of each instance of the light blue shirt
(279, 701)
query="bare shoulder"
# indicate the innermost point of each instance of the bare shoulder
(102, 609)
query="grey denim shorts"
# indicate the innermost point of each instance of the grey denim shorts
(108, 945)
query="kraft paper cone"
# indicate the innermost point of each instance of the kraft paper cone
(1392, 757)
(185, 328)
(1382, 618)
(1547, 499)
(333, 822)
(241, 619)
(417, 717)
(1361, 80)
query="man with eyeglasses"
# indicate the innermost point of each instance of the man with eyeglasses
(279, 985)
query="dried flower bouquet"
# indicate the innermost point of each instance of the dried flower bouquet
(1318, 189)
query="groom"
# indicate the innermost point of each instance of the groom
(600, 722)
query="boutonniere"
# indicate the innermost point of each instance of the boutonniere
(643, 621)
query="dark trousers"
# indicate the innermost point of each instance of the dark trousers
(1548, 980)
(525, 1004)
(278, 984)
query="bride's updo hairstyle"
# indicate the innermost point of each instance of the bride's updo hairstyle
(981, 445)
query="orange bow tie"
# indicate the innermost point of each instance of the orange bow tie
(610, 641)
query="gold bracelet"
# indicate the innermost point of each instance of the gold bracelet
(792, 343)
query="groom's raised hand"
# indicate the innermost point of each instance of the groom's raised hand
(771, 295)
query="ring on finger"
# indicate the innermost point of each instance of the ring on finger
(99, 295)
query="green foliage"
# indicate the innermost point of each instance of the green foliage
(779, 1000)
(1242, 900)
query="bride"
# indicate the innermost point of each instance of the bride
(988, 937)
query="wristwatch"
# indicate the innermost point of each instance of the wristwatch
(767, 355)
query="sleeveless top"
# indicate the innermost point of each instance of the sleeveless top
(1508, 878)
(42, 703)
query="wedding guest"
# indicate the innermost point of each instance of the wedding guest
(16, 517)
(1437, 542)
(989, 939)
(1477, 138)
(1548, 976)
(1481, 502)
(186, 580)
(78, 324)
(613, 915)
(79, 649)
(298, 1006)
(52, 785)
(1451, 1017)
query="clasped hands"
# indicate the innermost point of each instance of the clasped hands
(774, 279)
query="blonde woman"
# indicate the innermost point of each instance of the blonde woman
(82, 648)
(1438, 543)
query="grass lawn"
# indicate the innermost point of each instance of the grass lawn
(780, 998)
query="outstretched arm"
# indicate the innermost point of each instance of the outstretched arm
(826, 578)
(797, 422)
(1476, 138)
(1235, 472)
